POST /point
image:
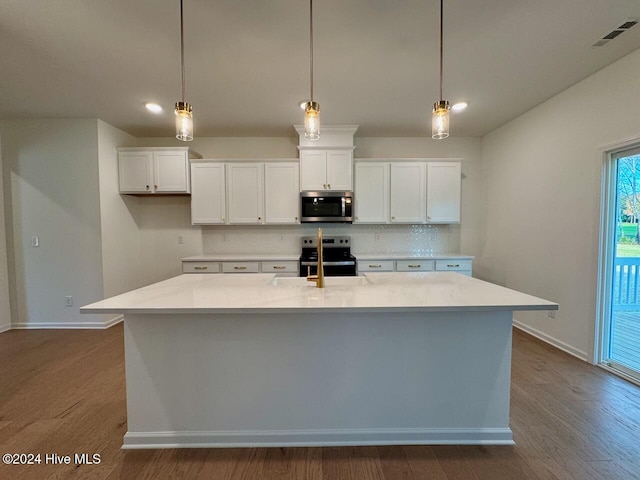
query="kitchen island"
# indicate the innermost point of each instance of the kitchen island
(257, 360)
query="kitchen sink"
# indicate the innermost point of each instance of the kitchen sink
(328, 282)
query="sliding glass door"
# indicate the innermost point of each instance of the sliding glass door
(621, 339)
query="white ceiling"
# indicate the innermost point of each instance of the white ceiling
(247, 62)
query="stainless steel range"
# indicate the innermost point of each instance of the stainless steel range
(338, 261)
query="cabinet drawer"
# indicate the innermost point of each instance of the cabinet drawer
(414, 265)
(279, 267)
(200, 267)
(375, 265)
(240, 267)
(453, 265)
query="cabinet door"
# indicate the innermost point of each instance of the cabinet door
(281, 193)
(372, 192)
(245, 192)
(339, 170)
(171, 172)
(408, 192)
(443, 192)
(313, 170)
(207, 193)
(135, 172)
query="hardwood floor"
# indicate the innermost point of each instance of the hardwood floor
(63, 392)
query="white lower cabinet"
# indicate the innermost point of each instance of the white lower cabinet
(453, 264)
(285, 268)
(240, 267)
(200, 267)
(375, 266)
(414, 265)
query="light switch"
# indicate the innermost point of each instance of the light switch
(35, 241)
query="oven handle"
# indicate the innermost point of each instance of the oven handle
(329, 264)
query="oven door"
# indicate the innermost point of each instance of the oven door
(331, 269)
(326, 207)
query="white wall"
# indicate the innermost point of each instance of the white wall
(119, 217)
(50, 170)
(5, 310)
(543, 174)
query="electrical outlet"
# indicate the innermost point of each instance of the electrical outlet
(180, 240)
(68, 301)
(551, 313)
(377, 237)
(35, 241)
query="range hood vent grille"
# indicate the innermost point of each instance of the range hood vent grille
(619, 30)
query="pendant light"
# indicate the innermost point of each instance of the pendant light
(184, 115)
(440, 119)
(311, 108)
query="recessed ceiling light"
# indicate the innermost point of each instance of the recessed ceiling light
(153, 107)
(458, 107)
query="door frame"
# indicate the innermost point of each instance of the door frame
(608, 221)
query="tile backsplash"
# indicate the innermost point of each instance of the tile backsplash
(285, 239)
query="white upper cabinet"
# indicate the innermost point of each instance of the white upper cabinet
(371, 192)
(154, 170)
(326, 170)
(281, 192)
(443, 192)
(208, 204)
(245, 193)
(340, 170)
(327, 163)
(408, 192)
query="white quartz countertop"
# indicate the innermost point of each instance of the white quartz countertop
(410, 256)
(255, 293)
(241, 257)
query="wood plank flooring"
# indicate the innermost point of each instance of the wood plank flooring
(63, 392)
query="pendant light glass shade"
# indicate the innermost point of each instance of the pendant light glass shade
(184, 114)
(184, 122)
(311, 108)
(312, 121)
(440, 117)
(440, 120)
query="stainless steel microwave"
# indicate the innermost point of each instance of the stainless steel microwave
(334, 207)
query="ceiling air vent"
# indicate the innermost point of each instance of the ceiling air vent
(619, 30)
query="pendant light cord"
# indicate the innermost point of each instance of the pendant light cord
(311, 46)
(441, 42)
(182, 48)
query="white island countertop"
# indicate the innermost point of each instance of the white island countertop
(382, 292)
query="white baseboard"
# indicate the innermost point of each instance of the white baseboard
(565, 347)
(319, 438)
(70, 325)
(5, 327)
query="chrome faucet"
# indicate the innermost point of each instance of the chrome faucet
(319, 277)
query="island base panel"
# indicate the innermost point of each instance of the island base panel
(230, 380)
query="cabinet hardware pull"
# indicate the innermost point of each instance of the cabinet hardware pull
(295, 218)
(155, 187)
(375, 266)
(329, 186)
(453, 266)
(279, 267)
(147, 187)
(239, 268)
(222, 219)
(413, 266)
(324, 185)
(200, 268)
